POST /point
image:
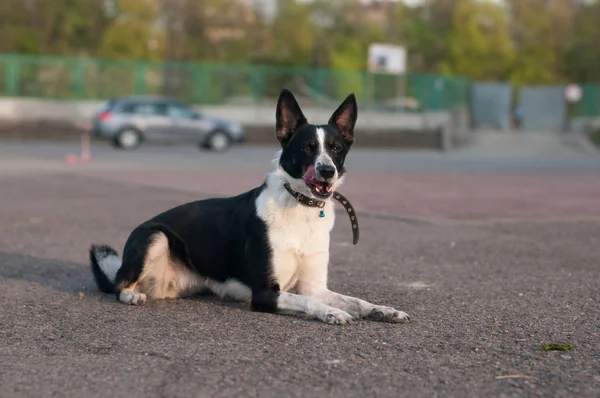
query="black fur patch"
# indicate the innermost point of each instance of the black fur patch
(220, 239)
(265, 301)
(97, 254)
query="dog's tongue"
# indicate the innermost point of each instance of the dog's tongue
(310, 175)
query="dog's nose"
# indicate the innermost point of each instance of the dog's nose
(326, 171)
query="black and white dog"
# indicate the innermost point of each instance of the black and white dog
(269, 246)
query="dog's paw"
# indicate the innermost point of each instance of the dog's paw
(133, 298)
(388, 314)
(334, 316)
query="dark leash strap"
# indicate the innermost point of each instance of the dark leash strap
(351, 214)
(310, 202)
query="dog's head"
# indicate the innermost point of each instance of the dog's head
(312, 156)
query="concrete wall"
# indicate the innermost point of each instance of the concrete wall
(584, 124)
(81, 111)
(399, 128)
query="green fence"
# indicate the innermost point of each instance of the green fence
(85, 78)
(589, 106)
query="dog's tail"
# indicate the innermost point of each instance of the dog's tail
(105, 263)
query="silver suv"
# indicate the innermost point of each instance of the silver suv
(129, 121)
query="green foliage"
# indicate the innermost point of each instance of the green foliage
(211, 30)
(424, 31)
(347, 36)
(293, 35)
(583, 56)
(350, 54)
(480, 45)
(39, 26)
(542, 33)
(133, 34)
(523, 41)
(420, 39)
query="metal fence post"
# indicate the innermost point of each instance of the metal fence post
(12, 76)
(320, 86)
(79, 79)
(257, 83)
(140, 78)
(199, 87)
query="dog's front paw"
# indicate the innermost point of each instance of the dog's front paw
(334, 316)
(133, 298)
(388, 314)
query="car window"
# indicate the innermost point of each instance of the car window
(128, 108)
(180, 111)
(159, 109)
(145, 109)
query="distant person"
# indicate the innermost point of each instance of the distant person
(518, 116)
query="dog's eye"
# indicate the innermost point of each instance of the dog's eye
(308, 149)
(336, 148)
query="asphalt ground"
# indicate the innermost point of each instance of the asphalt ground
(492, 261)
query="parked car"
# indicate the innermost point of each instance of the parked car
(129, 121)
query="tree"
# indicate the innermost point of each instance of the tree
(350, 36)
(424, 30)
(344, 36)
(479, 45)
(134, 32)
(542, 33)
(292, 34)
(210, 30)
(17, 36)
(583, 57)
(40, 27)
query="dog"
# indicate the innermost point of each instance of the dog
(268, 246)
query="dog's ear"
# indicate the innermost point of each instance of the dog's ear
(289, 116)
(344, 118)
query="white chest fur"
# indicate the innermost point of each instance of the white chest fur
(295, 231)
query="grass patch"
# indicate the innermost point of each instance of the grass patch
(557, 347)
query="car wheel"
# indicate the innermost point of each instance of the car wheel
(128, 139)
(218, 141)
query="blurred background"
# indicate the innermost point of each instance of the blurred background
(474, 175)
(452, 66)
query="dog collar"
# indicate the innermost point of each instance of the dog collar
(311, 202)
(305, 200)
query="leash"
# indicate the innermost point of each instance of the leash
(311, 202)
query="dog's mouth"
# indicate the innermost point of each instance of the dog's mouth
(320, 189)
